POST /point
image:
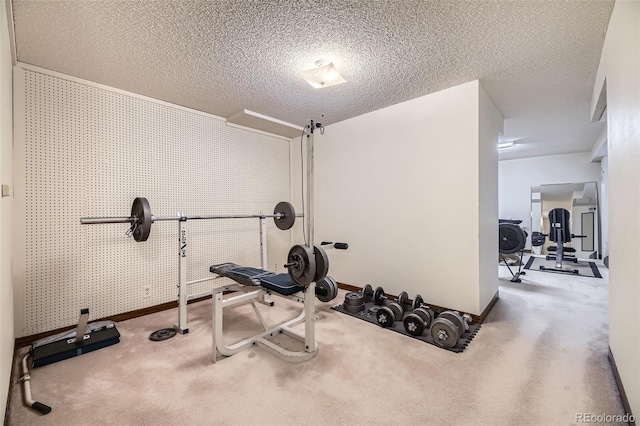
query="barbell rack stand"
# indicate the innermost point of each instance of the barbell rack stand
(182, 325)
(308, 311)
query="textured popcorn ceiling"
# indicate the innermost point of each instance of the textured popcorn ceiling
(537, 59)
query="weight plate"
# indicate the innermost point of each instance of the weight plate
(325, 285)
(398, 310)
(378, 296)
(288, 215)
(538, 239)
(354, 308)
(418, 301)
(373, 309)
(353, 298)
(414, 325)
(141, 209)
(455, 319)
(303, 264)
(511, 238)
(367, 292)
(403, 298)
(444, 332)
(163, 334)
(425, 315)
(385, 317)
(322, 263)
(334, 286)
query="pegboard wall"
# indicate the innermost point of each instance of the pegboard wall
(84, 151)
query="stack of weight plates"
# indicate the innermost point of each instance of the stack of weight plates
(353, 302)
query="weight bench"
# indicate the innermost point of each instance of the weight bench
(254, 284)
(559, 222)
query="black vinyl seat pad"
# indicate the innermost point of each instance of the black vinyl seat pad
(280, 283)
(398, 327)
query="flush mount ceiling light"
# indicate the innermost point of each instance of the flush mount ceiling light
(506, 145)
(323, 75)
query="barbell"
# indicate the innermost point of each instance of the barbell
(284, 216)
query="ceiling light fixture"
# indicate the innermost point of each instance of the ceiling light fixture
(506, 145)
(323, 75)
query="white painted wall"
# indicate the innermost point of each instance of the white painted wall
(413, 189)
(6, 207)
(185, 161)
(620, 67)
(604, 205)
(516, 177)
(490, 127)
(536, 219)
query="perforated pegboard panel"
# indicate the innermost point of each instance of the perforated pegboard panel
(89, 152)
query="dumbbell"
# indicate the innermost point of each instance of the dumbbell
(354, 301)
(418, 321)
(379, 296)
(405, 302)
(467, 321)
(447, 329)
(388, 314)
(367, 293)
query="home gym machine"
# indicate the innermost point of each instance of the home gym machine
(559, 224)
(301, 265)
(511, 240)
(307, 265)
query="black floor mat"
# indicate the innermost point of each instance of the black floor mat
(398, 327)
(584, 268)
(595, 270)
(529, 262)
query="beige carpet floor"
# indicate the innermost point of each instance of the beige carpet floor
(540, 358)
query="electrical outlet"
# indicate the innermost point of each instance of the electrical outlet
(146, 291)
(275, 266)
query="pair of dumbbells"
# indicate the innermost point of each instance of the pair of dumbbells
(448, 327)
(416, 322)
(393, 311)
(420, 317)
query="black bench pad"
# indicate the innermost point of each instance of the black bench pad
(280, 283)
(240, 274)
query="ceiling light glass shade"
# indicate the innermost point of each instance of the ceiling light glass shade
(323, 76)
(506, 145)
